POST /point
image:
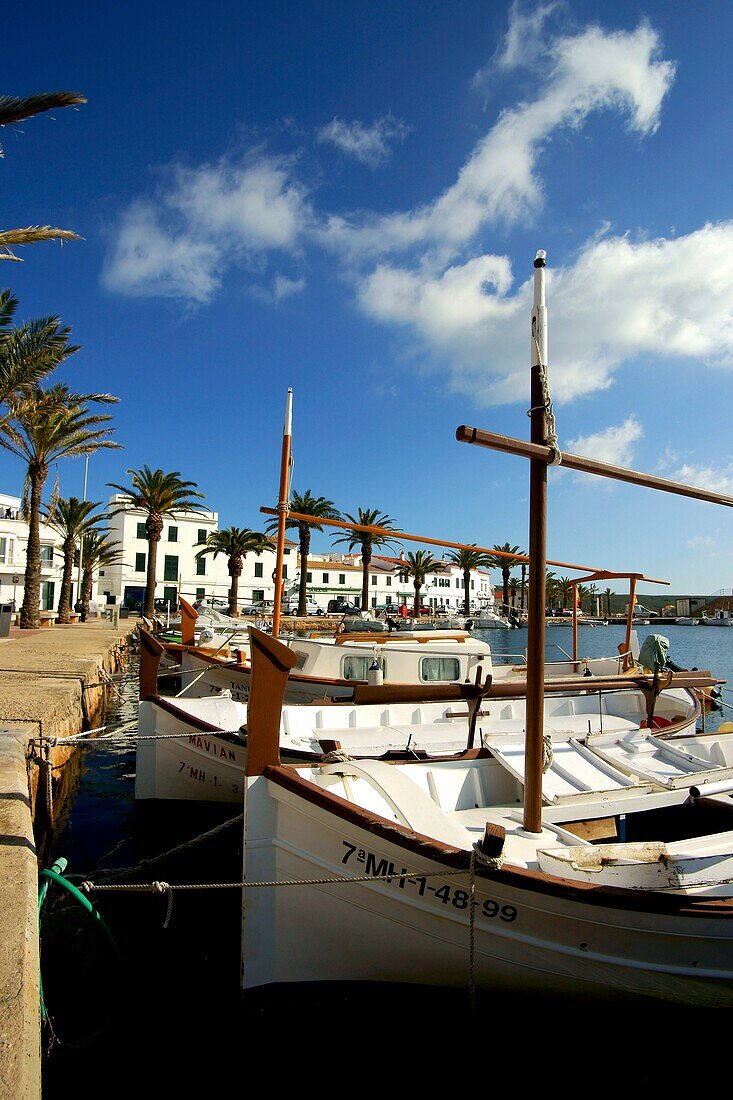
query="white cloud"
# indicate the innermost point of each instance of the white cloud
(369, 145)
(717, 478)
(149, 259)
(668, 299)
(591, 71)
(208, 218)
(285, 288)
(704, 544)
(523, 43)
(614, 445)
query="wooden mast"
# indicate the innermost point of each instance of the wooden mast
(538, 563)
(282, 511)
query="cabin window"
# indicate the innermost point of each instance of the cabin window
(439, 669)
(357, 668)
(300, 660)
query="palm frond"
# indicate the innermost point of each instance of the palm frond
(32, 234)
(16, 109)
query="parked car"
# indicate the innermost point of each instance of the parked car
(311, 608)
(260, 607)
(342, 607)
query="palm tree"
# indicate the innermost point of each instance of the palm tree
(98, 550)
(158, 495)
(236, 543)
(40, 428)
(12, 111)
(564, 586)
(417, 566)
(608, 593)
(466, 560)
(551, 584)
(505, 564)
(30, 352)
(366, 541)
(72, 519)
(307, 505)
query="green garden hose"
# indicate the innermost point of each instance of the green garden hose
(54, 874)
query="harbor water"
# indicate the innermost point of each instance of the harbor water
(161, 980)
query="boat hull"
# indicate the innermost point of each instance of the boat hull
(531, 933)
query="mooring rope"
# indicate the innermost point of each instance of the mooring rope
(547, 407)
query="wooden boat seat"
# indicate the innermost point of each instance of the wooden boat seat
(412, 806)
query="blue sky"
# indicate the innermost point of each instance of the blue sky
(347, 199)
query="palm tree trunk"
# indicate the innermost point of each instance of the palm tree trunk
(64, 606)
(466, 601)
(416, 610)
(366, 557)
(305, 545)
(149, 609)
(235, 568)
(30, 612)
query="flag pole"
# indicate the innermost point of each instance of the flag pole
(282, 511)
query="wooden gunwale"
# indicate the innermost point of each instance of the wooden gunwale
(537, 882)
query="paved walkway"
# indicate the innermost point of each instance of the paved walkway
(49, 679)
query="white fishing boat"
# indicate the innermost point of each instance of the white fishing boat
(428, 868)
(195, 748)
(473, 871)
(718, 618)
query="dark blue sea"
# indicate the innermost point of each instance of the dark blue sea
(167, 993)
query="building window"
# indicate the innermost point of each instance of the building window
(200, 593)
(47, 555)
(142, 532)
(6, 550)
(170, 567)
(170, 595)
(308, 578)
(101, 572)
(139, 563)
(258, 568)
(202, 534)
(172, 534)
(258, 594)
(286, 550)
(342, 578)
(200, 567)
(285, 572)
(389, 582)
(473, 584)
(374, 579)
(325, 578)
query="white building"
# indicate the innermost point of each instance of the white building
(13, 550)
(329, 575)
